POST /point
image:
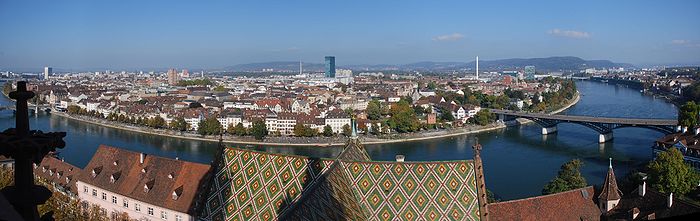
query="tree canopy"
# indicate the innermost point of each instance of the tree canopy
(483, 117)
(688, 114)
(668, 173)
(209, 126)
(568, 178)
(259, 129)
(403, 118)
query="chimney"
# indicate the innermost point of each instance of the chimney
(670, 200)
(697, 130)
(141, 157)
(643, 188)
(685, 129)
(678, 128)
(400, 158)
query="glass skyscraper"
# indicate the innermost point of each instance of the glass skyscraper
(330, 66)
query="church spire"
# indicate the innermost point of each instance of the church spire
(353, 121)
(610, 195)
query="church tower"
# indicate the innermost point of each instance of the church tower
(610, 195)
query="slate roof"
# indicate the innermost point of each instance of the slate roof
(575, 204)
(252, 185)
(610, 190)
(162, 175)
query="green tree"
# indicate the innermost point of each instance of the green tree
(180, 124)
(259, 129)
(432, 85)
(156, 122)
(239, 130)
(299, 130)
(220, 88)
(568, 178)
(347, 131)
(668, 173)
(73, 109)
(230, 129)
(327, 131)
(374, 110)
(483, 117)
(403, 118)
(209, 126)
(688, 114)
(446, 115)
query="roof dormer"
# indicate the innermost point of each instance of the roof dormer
(115, 176)
(177, 193)
(96, 171)
(148, 186)
(116, 163)
(170, 176)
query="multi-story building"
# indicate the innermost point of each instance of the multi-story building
(330, 66)
(47, 72)
(144, 187)
(173, 77)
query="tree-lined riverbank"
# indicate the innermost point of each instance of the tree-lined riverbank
(300, 141)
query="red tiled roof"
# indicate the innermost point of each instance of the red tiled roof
(575, 204)
(130, 179)
(59, 172)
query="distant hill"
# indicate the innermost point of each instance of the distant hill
(541, 64)
(276, 66)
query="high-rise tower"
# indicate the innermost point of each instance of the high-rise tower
(47, 71)
(330, 66)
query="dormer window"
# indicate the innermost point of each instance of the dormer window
(170, 176)
(114, 177)
(116, 163)
(59, 174)
(50, 172)
(177, 193)
(67, 180)
(143, 170)
(96, 171)
(148, 186)
(43, 169)
(35, 166)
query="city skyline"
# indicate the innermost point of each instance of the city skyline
(153, 34)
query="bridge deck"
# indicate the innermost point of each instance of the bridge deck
(607, 120)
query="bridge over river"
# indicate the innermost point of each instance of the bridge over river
(602, 125)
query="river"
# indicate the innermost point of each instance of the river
(518, 161)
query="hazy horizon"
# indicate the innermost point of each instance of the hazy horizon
(160, 34)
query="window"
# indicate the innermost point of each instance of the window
(150, 211)
(126, 203)
(85, 189)
(163, 215)
(94, 192)
(104, 196)
(114, 199)
(178, 218)
(137, 207)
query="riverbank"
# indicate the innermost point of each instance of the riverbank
(291, 141)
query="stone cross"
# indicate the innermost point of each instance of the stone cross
(26, 147)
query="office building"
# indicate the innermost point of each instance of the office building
(47, 71)
(529, 72)
(330, 66)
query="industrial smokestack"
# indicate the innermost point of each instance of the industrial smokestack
(477, 67)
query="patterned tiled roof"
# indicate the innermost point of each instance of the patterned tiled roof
(251, 185)
(414, 190)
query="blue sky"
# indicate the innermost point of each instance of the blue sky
(213, 34)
